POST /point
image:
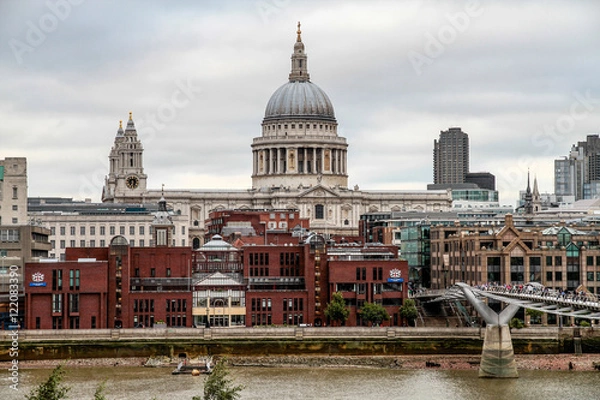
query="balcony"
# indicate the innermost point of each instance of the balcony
(160, 284)
(276, 283)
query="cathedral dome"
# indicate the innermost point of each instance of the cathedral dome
(299, 99)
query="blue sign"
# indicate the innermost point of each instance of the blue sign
(395, 280)
(37, 284)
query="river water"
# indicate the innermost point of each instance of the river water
(304, 384)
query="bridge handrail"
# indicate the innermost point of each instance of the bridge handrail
(542, 291)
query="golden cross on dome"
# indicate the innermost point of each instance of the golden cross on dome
(299, 39)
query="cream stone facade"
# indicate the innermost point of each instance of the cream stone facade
(80, 224)
(298, 162)
(13, 191)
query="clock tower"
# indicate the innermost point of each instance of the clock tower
(126, 178)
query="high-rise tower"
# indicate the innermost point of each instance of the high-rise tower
(451, 157)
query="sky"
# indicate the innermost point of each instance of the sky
(520, 77)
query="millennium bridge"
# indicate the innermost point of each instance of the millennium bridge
(497, 357)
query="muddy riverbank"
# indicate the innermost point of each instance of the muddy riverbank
(549, 362)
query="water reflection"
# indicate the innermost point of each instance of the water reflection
(133, 383)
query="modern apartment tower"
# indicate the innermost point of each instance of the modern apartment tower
(451, 157)
(578, 174)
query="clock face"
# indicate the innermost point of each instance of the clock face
(132, 182)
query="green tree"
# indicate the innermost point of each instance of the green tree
(336, 310)
(99, 393)
(535, 315)
(516, 323)
(52, 389)
(218, 386)
(374, 313)
(408, 311)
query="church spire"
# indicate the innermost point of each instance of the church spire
(299, 61)
(130, 125)
(120, 131)
(528, 206)
(536, 192)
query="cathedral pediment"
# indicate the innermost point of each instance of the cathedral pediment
(318, 192)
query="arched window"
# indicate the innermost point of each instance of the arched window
(319, 211)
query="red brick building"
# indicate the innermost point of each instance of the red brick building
(268, 224)
(292, 284)
(66, 295)
(115, 287)
(369, 274)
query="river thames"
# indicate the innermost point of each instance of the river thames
(324, 383)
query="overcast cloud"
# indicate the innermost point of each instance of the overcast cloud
(520, 77)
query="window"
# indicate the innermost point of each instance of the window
(558, 276)
(82, 243)
(92, 230)
(62, 230)
(152, 271)
(319, 211)
(590, 276)
(52, 244)
(82, 230)
(142, 244)
(15, 192)
(57, 279)
(72, 230)
(141, 230)
(15, 220)
(92, 243)
(74, 302)
(102, 243)
(62, 244)
(161, 237)
(132, 230)
(15, 207)
(102, 230)
(72, 243)
(53, 231)
(183, 229)
(121, 230)
(57, 303)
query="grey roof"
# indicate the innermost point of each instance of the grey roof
(217, 243)
(553, 230)
(300, 99)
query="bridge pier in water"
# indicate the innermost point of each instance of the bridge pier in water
(497, 355)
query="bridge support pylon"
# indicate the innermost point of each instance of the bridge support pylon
(497, 356)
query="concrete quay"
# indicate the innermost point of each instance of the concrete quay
(149, 342)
